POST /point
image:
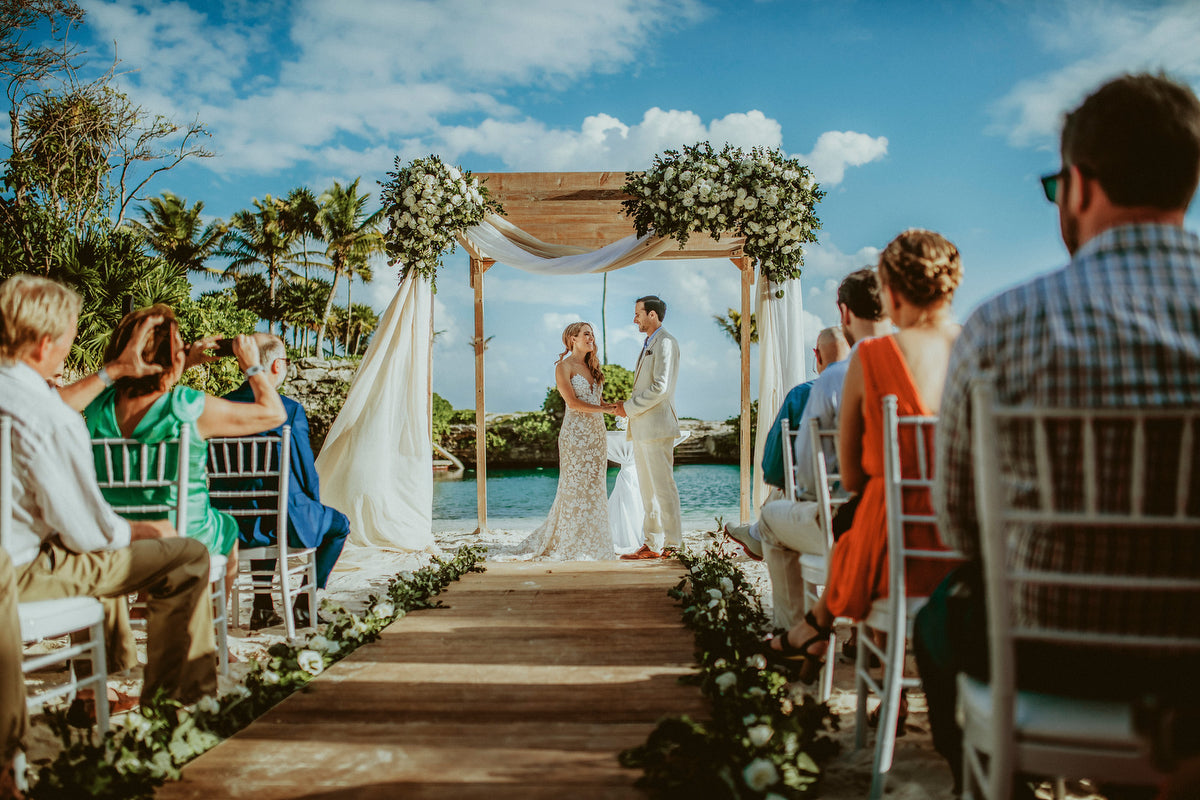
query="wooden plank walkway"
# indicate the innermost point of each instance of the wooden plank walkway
(527, 686)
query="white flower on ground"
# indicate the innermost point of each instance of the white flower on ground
(759, 734)
(715, 594)
(310, 661)
(726, 681)
(270, 677)
(319, 643)
(383, 610)
(759, 774)
(208, 705)
(727, 585)
(757, 661)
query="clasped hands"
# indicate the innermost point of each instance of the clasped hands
(616, 409)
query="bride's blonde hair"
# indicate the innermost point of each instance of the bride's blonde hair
(589, 360)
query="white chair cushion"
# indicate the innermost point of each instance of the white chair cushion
(814, 568)
(877, 618)
(45, 618)
(1048, 718)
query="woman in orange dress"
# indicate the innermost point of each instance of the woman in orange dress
(918, 272)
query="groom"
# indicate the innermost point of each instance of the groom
(653, 428)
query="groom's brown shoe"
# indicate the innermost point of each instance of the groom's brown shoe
(642, 552)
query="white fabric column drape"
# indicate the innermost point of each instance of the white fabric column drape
(781, 355)
(376, 465)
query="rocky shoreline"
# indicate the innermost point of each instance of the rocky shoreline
(527, 439)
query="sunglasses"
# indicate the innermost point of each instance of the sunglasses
(1051, 183)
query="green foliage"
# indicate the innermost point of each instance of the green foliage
(152, 743)
(442, 413)
(760, 738)
(731, 323)
(463, 416)
(215, 313)
(536, 429)
(736, 422)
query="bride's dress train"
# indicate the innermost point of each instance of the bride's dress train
(576, 529)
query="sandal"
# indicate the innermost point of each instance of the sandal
(901, 719)
(791, 656)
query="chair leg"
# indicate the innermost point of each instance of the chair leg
(237, 598)
(827, 670)
(889, 715)
(99, 672)
(286, 596)
(222, 626)
(1060, 788)
(312, 590)
(861, 660)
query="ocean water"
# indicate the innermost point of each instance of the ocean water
(518, 499)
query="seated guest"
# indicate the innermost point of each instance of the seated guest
(154, 408)
(310, 524)
(66, 540)
(787, 527)
(1116, 327)
(918, 273)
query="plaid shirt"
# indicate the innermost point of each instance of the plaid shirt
(1118, 327)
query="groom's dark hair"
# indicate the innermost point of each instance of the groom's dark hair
(651, 303)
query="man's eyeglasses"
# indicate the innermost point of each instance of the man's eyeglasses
(1050, 184)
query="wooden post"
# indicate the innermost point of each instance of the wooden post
(478, 267)
(746, 264)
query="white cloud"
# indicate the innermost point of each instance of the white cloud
(836, 150)
(1098, 41)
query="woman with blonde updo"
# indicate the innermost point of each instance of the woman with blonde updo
(918, 272)
(577, 525)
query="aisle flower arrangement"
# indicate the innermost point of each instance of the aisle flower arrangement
(763, 740)
(152, 743)
(762, 195)
(427, 204)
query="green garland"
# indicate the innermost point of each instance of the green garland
(762, 741)
(152, 743)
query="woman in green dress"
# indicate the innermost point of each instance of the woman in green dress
(154, 408)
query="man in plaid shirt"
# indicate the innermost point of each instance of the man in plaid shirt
(1119, 326)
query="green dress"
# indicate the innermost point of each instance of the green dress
(178, 407)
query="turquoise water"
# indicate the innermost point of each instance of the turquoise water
(518, 499)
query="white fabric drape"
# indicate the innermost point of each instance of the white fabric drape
(781, 355)
(377, 463)
(626, 514)
(498, 239)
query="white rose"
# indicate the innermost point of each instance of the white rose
(311, 662)
(208, 705)
(757, 661)
(727, 585)
(383, 610)
(318, 642)
(726, 681)
(759, 734)
(453, 173)
(270, 677)
(715, 594)
(759, 774)
(751, 203)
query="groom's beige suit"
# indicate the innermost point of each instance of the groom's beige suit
(653, 428)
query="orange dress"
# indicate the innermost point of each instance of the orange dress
(858, 568)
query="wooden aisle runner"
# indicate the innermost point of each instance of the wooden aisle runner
(527, 686)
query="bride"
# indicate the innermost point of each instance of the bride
(577, 526)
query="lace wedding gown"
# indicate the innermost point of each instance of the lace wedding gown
(577, 527)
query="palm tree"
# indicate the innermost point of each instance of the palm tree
(359, 322)
(351, 236)
(301, 302)
(259, 241)
(731, 323)
(299, 217)
(172, 229)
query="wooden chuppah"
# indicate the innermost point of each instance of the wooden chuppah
(583, 209)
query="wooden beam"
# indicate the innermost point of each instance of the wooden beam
(478, 268)
(746, 265)
(584, 209)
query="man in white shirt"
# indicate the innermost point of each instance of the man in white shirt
(66, 540)
(788, 528)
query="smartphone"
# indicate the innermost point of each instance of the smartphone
(223, 347)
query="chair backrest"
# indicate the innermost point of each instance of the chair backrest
(1042, 473)
(914, 478)
(6, 494)
(789, 457)
(127, 464)
(248, 476)
(824, 440)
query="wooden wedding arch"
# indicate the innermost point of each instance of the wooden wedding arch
(583, 209)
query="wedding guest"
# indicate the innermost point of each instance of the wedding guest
(310, 523)
(918, 274)
(66, 541)
(1117, 327)
(788, 527)
(154, 408)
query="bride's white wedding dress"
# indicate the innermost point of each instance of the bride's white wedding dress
(576, 528)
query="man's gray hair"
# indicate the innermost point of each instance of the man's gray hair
(270, 347)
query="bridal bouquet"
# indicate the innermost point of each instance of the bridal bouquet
(428, 202)
(761, 195)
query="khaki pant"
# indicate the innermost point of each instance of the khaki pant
(655, 462)
(789, 529)
(174, 575)
(12, 680)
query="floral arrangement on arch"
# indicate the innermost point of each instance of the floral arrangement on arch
(761, 195)
(427, 203)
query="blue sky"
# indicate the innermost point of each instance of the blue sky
(911, 114)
